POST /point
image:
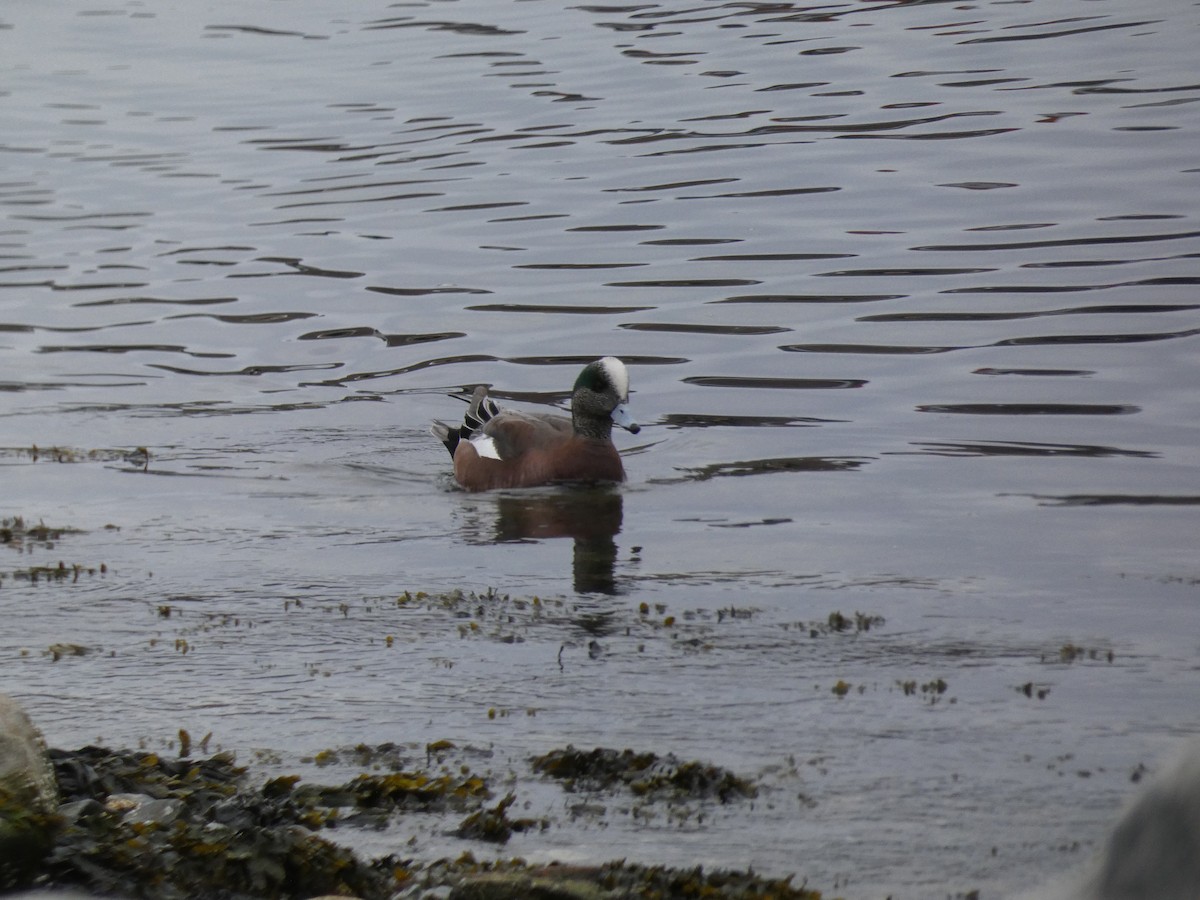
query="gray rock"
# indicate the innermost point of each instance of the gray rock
(1153, 851)
(78, 810)
(28, 795)
(144, 810)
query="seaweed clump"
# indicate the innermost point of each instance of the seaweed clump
(137, 825)
(494, 825)
(371, 799)
(646, 775)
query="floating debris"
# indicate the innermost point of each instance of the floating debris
(1029, 689)
(931, 691)
(1070, 652)
(58, 651)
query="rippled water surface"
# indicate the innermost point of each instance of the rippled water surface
(910, 297)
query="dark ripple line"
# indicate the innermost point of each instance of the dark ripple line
(669, 186)
(768, 466)
(582, 266)
(862, 129)
(1103, 88)
(357, 186)
(207, 249)
(1023, 448)
(1062, 242)
(250, 370)
(1063, 33)
(1031, 409)
(750, 381)
(552, 308)
(120, 301)
(258, 30)
(422, 292)
(131, 348)
(583, 359)
(1096, 338)
(22, 328)
(274, 318)
(686, 328)
(607, 228)
(687, 282)
(468, 28)
(86, 286)
(1116, 499)
(810, 298)
(391, 340)
(940, 136)
(1113, 309)
(311, 204)
(892, 273)
(881, 349)
(21, 387)
(35, 268)
(402, 370)
(472, 207)
(771, 257)
(1034, 341)
(776, 192)
(305, 269)
(1070, 373)
(1165, 281)
(698, 420)
(81, 217)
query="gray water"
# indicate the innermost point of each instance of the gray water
(908, 292)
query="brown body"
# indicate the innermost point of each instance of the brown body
(535, 450)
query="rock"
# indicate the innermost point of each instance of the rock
(28, 796)
(1153, 851)
(77, 810)
(143, 810)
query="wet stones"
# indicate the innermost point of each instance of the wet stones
(28, 796)
(136, 824)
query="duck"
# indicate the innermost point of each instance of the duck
(498, 448)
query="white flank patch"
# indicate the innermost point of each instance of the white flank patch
(485, 446)
(617, 374)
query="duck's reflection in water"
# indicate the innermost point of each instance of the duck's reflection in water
(590, 515)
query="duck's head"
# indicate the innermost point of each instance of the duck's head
(602, 392)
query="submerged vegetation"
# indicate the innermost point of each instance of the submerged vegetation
(139, 457)
(20, 535)
(24, 537)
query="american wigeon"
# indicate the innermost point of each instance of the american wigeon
(496, 448)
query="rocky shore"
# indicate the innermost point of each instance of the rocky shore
(136, 824)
